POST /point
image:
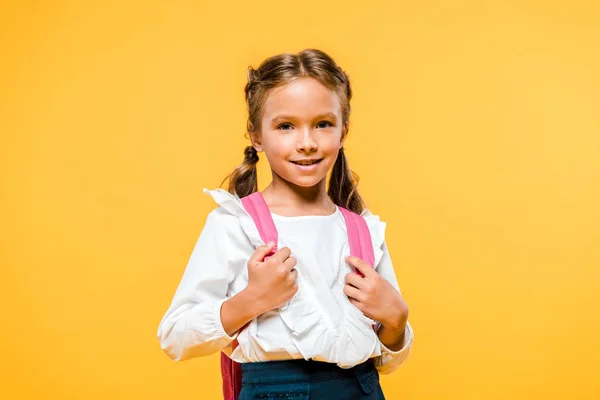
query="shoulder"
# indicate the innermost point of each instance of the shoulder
(225, 215)
(232, 217)
(377, 230)
(375, 224)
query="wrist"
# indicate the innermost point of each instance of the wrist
(397, 318)
(236, 312)
(392, 339)
(396, 324)
(249, 300)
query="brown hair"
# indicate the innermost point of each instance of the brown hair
(279, 70)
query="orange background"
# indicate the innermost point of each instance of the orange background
(475, 130)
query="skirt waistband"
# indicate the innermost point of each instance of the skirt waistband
(272, 372)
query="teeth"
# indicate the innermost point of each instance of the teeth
(305, 162)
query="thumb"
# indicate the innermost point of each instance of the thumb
(260, 253)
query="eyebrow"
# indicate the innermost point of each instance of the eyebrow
(326, 115)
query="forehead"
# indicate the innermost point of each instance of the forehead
(302, 97)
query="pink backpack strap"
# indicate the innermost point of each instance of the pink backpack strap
(255, 205)
(359, 237)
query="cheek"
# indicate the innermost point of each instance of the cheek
(331, 146)
(275, 148)
(331, 154)
(278, 144)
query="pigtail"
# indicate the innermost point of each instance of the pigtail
(343, 185)
(244, 179)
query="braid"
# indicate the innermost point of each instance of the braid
(244, 180)
(343, 185)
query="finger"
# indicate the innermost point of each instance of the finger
(355, 280)
(293, 275)
(353, 293)
(290, 263)
(356, 303)
(360, 266)
(282, 254)
(260, 253)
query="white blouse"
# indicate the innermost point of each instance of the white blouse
(318, 323)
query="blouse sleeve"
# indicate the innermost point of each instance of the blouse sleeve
(390, 360)
(192, 324)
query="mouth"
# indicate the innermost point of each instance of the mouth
(307, 166)
(307, 163)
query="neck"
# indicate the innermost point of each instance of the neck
(284, 197)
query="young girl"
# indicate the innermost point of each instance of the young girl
(301, 321)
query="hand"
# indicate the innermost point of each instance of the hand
(375, 296)
(271, 283)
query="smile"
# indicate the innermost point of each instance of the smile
(306, 162)
(306, 165)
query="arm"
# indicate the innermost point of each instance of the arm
(192, 325)
(392, 358)
(396, 341)
(378, 296)
(392, 338)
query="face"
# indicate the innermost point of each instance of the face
(301, 131)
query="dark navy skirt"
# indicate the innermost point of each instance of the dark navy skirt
(303, 380)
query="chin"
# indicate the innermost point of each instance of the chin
(304, 182)
(307, 184)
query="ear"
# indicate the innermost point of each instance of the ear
(344, 135)
(256, 141)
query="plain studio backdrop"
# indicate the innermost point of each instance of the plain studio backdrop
(475, 130)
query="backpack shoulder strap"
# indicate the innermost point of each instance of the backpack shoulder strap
(359, 237)
(256, 206)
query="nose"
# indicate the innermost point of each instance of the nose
(306, 141)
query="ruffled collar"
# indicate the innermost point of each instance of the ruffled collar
(232, 204)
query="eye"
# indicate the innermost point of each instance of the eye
(324, 124)
(286, 126)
